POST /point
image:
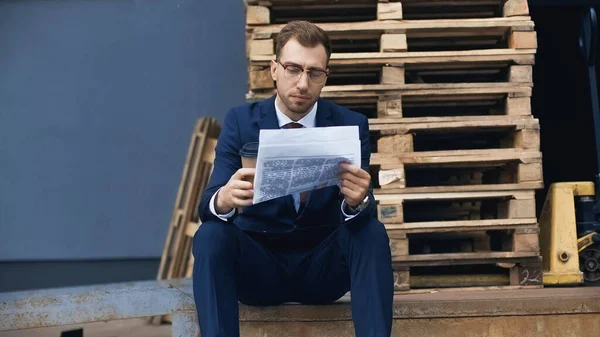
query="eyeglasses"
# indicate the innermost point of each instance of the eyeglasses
(293, 72)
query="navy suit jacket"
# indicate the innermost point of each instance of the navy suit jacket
(242, 125)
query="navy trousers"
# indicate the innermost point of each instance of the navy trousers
(231, 265)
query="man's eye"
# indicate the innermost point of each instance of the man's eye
(294, 69)
(316, 74)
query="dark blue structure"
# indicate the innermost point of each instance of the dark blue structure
(98, 100)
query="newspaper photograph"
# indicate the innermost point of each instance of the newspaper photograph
(297, 160)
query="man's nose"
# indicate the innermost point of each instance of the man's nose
(302, 83)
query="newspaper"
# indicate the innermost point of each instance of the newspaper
(297, 160)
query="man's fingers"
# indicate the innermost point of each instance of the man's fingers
(350, 195)
(243, 194)
(360, 181)
(355, 170)
(351, 185)
(244, 172)
(242, 202)
(241, 185)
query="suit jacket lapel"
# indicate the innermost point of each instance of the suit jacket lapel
(323, 118)
(268, 116)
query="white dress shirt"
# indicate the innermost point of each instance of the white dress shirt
(307, 121)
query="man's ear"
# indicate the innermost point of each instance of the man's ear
(274, 70)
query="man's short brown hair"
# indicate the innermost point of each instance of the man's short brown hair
(308, 35)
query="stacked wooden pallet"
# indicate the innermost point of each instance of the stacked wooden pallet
(456, 151)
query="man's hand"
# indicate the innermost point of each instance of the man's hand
(355, 183)
(236, 193)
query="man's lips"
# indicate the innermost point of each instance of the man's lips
(300, 97)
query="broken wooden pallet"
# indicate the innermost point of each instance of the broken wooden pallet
(260, 12)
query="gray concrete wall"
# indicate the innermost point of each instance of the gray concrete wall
(97, 103)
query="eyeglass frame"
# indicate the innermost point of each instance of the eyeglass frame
(327, 72)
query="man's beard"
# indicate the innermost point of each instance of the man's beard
(298, 109)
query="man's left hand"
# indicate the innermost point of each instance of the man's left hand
(355, 183)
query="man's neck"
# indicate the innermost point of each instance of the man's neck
(291, 115)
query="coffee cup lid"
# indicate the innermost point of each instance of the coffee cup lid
(249, 150)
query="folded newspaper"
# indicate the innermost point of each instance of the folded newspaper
(297, 160)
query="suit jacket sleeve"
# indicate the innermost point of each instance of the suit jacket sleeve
(365, 142)
(227, 162)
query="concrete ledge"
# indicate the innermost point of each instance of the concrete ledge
(54, 307)
(484, 303)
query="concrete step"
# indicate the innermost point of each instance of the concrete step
(547, 312)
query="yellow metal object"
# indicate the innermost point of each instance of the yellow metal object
(585, 241)
(558, 233)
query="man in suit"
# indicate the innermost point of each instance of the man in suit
(311, 247)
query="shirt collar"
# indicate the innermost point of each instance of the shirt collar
(307, 121)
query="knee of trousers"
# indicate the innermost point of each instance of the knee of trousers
(371, 232)
(213, 239)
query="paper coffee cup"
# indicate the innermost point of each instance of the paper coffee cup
(249, 152)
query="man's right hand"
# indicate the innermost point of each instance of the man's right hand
(236, 193)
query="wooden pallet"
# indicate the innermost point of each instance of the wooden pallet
(442, 136)
(259, 12)
(469, 271)
(411, 70)
(429, 100)
(456, 171)
(176, 260)
(452, 211)
(402, 36)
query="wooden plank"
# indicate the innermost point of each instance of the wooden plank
(392, 75)
(395, 144)
(526, 242)
(262, 47)
(260, 78)
(517, 208)
(401, 280)
(529, 273)
(258, 15)
(530, 172)
(522, 40)
(461, 188)
(390, 213)
(515, 8)
(521, 56)
(439, 27)
(389, 11)
(393, 43)
(520, 74)
(391, 107)
(375, 123)
(460, 226)
(491, 156)
(451, 258)
(398, 244)
(396, 126)
(518, 106)
(400, 197)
